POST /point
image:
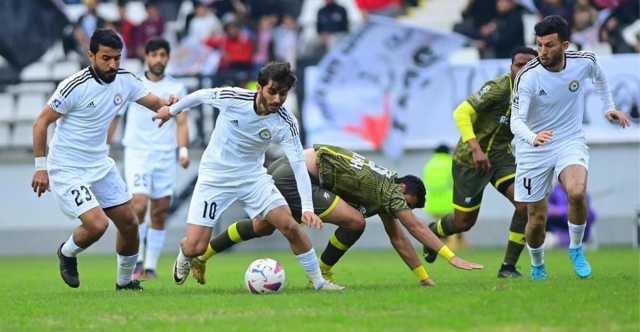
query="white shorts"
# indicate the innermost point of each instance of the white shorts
(152, 173)
(76, 195)
(534, 176)
(209, 202)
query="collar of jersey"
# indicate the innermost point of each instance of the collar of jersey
(95, 76)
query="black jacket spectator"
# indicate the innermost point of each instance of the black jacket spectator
(332, 18)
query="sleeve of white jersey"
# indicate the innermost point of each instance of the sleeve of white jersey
(600, 84)
(197, 98)
(63, 99)
(290, 143)
(520, 108)
(135, 86)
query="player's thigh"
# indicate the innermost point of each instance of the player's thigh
(285, 182)
(572, 167)
(94, 220)
(534, 180)
(342, 214)
(468, 187)
(262, 196)
(111, 190)
(208, 203)
(164, 175)
(504, 173)
(281, 218)
(123, 217)
(74, 196)
(137, 171)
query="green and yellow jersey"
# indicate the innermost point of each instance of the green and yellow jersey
(359, 181)
(491, 111)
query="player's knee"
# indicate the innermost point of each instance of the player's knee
(464, 224)
(521, 209)
(575, 195)
(158, 216)
(356, 224)
(191, 248)
(98, 227)
(290, 230)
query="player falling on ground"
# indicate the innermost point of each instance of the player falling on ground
(150, 163)
(231, 169)
(547, 124)
(84, 179)
(484, 156)
(367, 189)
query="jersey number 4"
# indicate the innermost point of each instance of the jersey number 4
(209, 210)
(79, 197)
(526, 183)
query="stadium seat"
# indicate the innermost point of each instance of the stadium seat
(36, 71)
(4, 135)
(132, 65)
(22, 136)
(62, 70)
(29, 106)
(7, 111)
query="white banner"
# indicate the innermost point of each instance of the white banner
(387, 86)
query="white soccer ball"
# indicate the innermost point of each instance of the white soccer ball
(264, 276)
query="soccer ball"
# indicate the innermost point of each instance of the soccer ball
(264, 276)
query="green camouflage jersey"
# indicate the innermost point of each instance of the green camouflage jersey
(360, 182)
(491, 124)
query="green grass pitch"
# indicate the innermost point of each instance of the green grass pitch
(382, 295)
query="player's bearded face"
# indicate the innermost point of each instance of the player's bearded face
(106, 62)
(157, 61)
(551, 50)
(272, 96)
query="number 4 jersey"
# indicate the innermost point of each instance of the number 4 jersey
(359, 181)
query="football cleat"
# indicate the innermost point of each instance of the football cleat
(198, 269)
(68, 269)
(538, 273)
(328, 286)
(133, 285)
(508, 271)
(181, 270)
(580, 264)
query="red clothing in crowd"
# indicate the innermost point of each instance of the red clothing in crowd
(376, 5)
(235, 51)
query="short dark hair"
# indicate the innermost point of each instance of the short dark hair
(104, 37)
(523, 50)
(155, 44)
(553, 24)
(278, 72)
(414, 186)
(442, 148)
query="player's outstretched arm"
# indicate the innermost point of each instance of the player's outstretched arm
(40, 180)
(183, 140)
(427, 238)
(405, 249)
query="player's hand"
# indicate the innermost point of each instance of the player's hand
(480, 160)
(427, 283)
(172, 100)
(40, 182)
(163, 115)
(464, 265)
(184, 162)
(311, 220)
(543, 137)
(615, 116)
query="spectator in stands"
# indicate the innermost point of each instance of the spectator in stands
(152, 26)
(236, 46)
(613, 28)
(390, 8)
(332, 22)
(204, 24)
(504, 33)
(226, 8)
(125, 28)
(476, 14)
(264, 41)
(259, 8)
(584, 30)
(85, 26)
(555, 7)
(557, 216)
(285, 40)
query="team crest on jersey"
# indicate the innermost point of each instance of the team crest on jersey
(265, 134)
(574, 86)
(117, 99)
(56, 103)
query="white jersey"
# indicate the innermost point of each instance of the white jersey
(235, 154)
(546, 100)
(141, 132)
(88, 105)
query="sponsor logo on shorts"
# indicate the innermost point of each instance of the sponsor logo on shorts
(117, 99)
(574, 86)
(265, 134)
(467, 200)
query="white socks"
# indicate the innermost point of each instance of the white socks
(537, 255)
(576, 233)
(142, 234)
(70, 248)
(309, 262)
(125, 268)
(155, 242)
